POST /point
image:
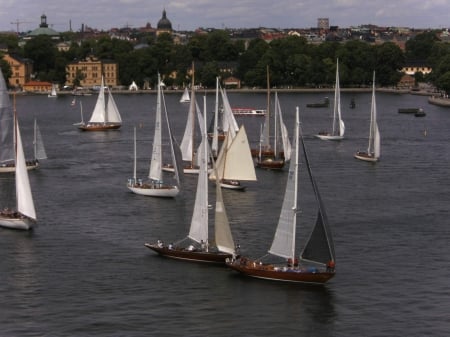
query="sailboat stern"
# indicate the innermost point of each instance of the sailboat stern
(16, 221)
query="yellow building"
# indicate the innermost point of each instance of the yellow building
(89, 72)
(21, 70)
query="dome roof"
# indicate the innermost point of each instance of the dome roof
(164, 22)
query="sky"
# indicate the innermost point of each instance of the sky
(192, 14)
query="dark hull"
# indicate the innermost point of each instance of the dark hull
(194, 256)
(285, 274)
(270, 164)
(99, 127)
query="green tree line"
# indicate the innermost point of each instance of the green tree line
(293, 62)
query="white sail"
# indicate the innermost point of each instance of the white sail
(187, 142)
(215, 138)
(112, 112)
(238, 163)
(99, 112)
(286, 143)
(39, 149)
(199, 222)
(228, 121)
(223, 236)
(25, 204)
(337, 118)
(6, 124)
(283, 244)
(185, 97)
(156, 161)
(53, 91)
(374, 133)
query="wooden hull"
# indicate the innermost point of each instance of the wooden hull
(163, 191)
(188, 255)
(270, 164)
(22, 223)
(285, 274)
(365, 156)
(99, 126)
(31, 165)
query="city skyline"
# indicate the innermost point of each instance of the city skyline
(189, 15)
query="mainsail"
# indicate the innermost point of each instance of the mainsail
(6, 124)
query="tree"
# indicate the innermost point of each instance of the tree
(420, 46)
(42, 51)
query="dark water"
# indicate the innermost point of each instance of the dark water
(84, 271)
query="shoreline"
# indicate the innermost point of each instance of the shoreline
(245, 90)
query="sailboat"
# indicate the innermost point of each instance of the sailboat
(185, 97)
(188, 151)
(268, 156)
(156, 187)
(24, 216)
(105, 116)
(53, 93)
(373, 150)
(7, 156)
(338, 130)
(316, 262)
(234, 162)
(196, 246)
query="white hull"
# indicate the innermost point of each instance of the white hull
(11, 169)
(329, 137)
(19, 223)
(167, 192)
(186, 170)
(365, 157)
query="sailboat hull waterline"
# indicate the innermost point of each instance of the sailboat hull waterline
(99, 126)
(11, 168)
(278, 273)
(194, 255)
(364, 156)
(16, 222)
(326, 136)
(163, 191)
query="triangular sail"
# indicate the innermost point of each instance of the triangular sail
(283, 130)
(187, 142)
(338, 123)
(156, 160)
(185, 96)
(283, 244)
(228, 120)
(174, 147)
(112, 112)
(39, 149)
(6, 124)
(99, 113)
(215, 139)
(319, 247)
(223, 235)
(374, 133)
(25, 204)
(239, 164)
(199, 222)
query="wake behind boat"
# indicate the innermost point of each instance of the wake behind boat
(316, 262)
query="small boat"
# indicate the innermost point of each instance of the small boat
(420, 113)
(156, 187)
(24, 215)
(408, 110)
(316, 262)
(373, 150)
(268, 155)
(185, 97)
(105, 115)
(248, 111)
(324, 104)
(196, 246)
(338, 129)
(53, 93)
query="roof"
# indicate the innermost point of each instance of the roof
(164, 22)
